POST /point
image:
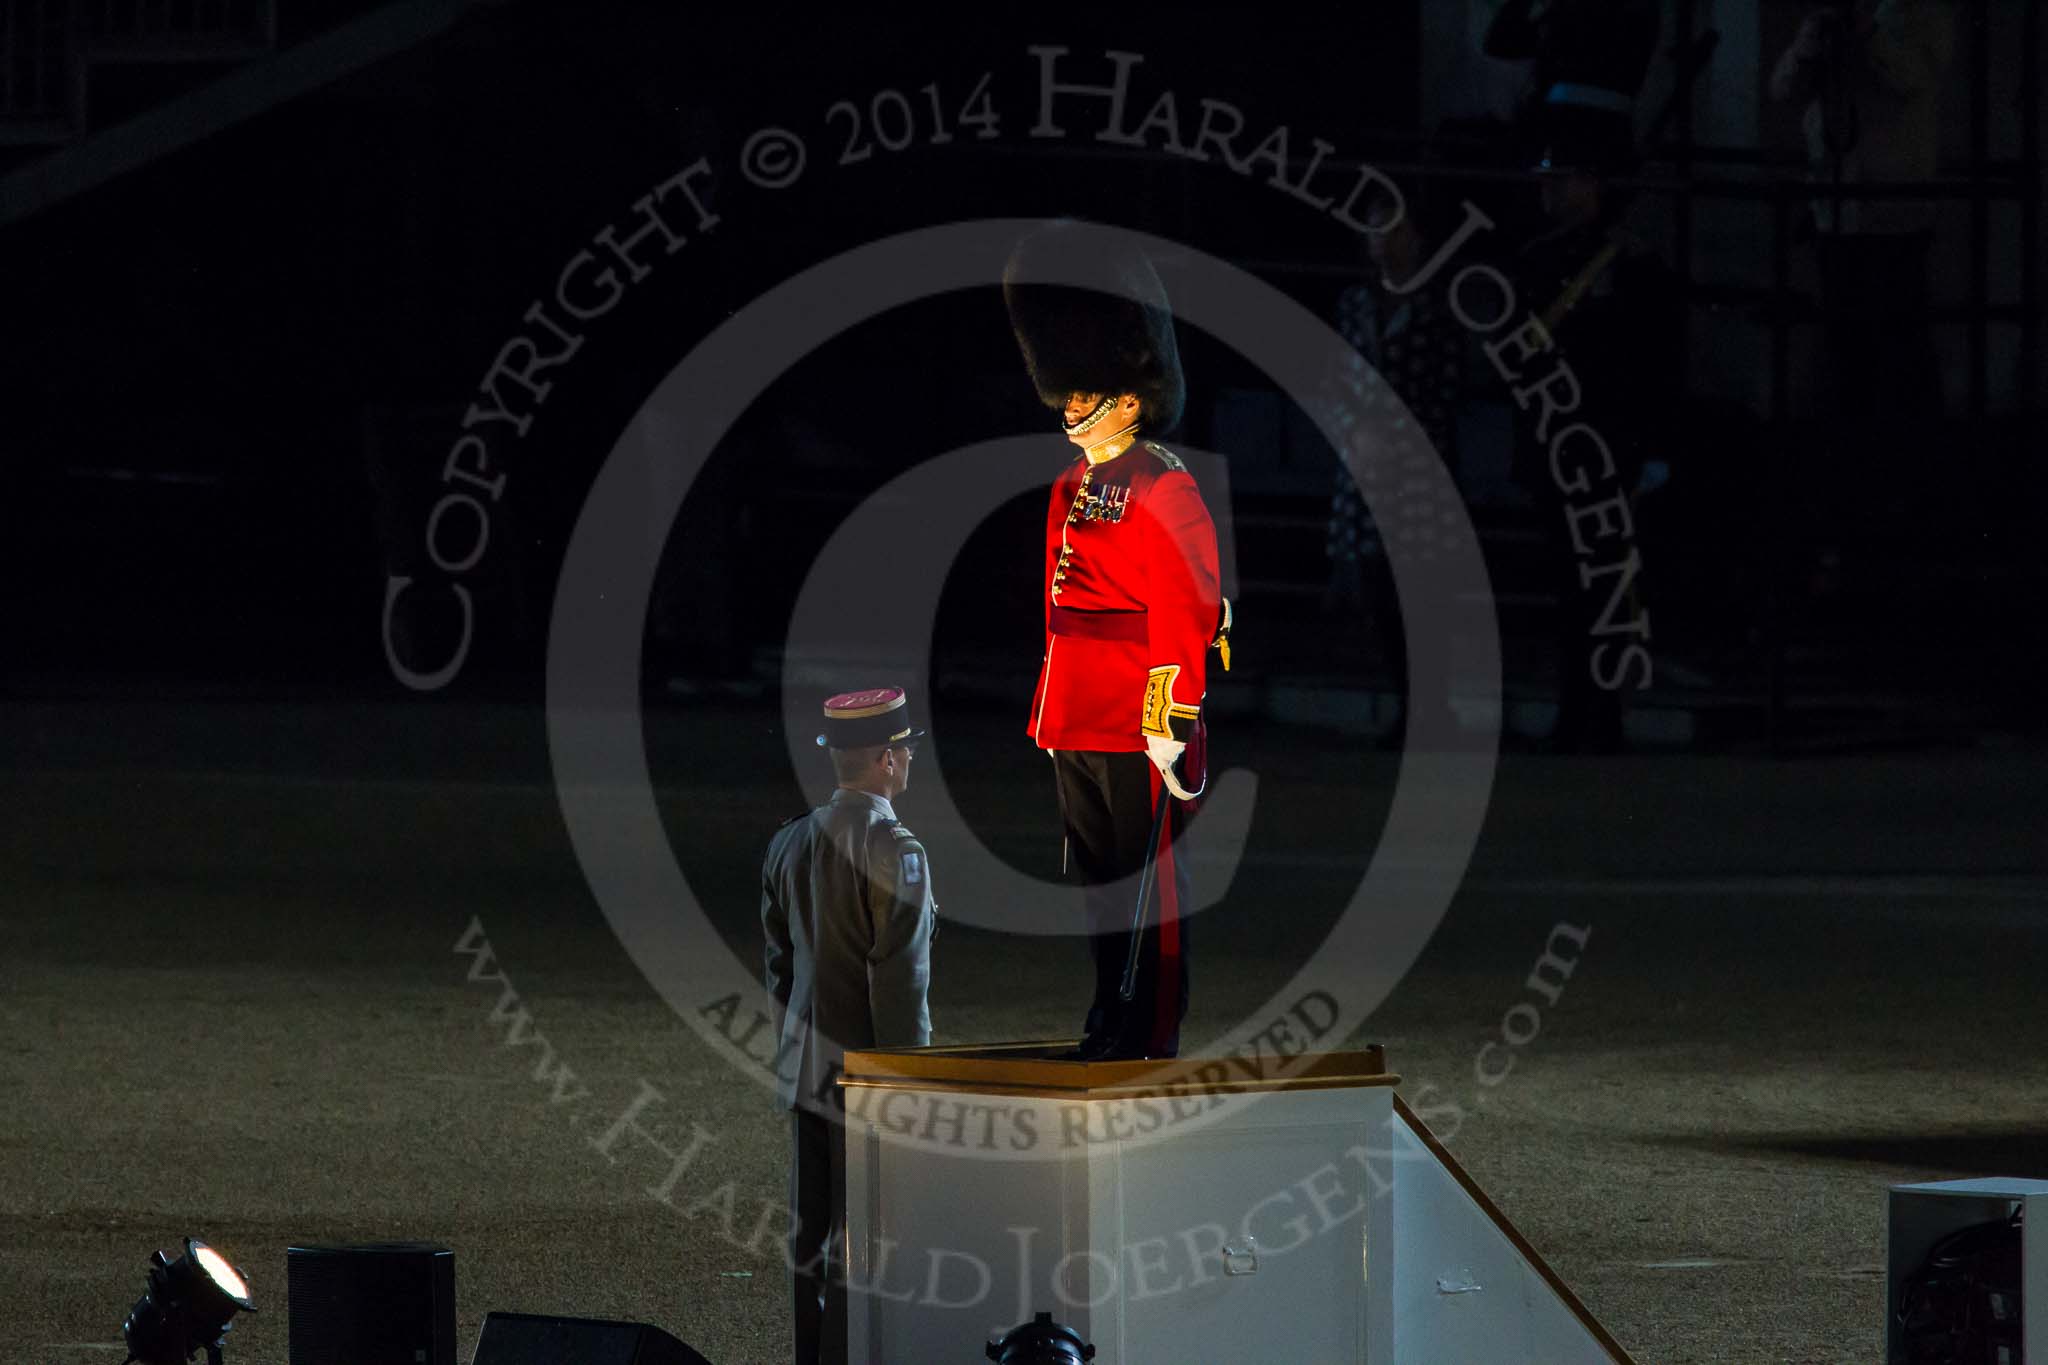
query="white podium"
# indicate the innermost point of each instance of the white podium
(1187, 1210)
(1203, 1210)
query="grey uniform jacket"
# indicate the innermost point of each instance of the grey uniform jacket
(847, 911)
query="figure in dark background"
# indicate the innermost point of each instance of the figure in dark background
(1611, 310)
(1412, 341)
(848, 916)
(1588, 59)
(1870, 77)
(1590, 283)
(1132, 605)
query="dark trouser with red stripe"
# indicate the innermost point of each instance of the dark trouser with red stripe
(1106, 801)
(817, 1236)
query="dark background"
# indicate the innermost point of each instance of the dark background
(238, 363)
(238, 359)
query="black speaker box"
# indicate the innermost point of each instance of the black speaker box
(384, 1303)
(528, 1339)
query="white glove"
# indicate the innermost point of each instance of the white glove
(1165, 753)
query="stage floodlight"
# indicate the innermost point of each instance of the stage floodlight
(1040, 1341)
(187, 1305)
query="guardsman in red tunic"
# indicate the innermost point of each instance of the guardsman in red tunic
(1132, 607)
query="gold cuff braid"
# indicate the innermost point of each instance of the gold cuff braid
(1161, 710)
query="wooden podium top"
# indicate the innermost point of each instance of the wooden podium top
(1035, 1069)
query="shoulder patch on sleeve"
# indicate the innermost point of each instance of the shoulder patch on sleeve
(1165, 456)
(912, 861)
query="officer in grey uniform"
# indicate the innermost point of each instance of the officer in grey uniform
(848, 916)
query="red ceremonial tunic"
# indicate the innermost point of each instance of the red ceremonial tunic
(1132, 598)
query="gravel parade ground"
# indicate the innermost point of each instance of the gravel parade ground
(234, 1007)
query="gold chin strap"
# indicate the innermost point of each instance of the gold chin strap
(1088, 423)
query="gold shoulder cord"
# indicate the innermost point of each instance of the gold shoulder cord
(1576, 288)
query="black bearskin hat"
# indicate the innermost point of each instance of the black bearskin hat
(1105, 329)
